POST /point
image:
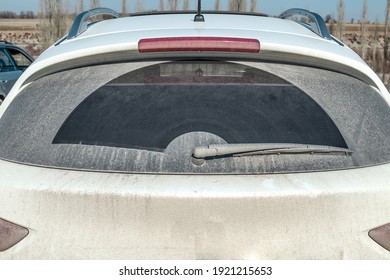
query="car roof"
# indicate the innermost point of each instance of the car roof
(221, 23)
(9, 45)
(6, 44)
(282, 40)
(3, 42)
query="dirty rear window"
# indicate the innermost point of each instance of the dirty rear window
(150, 107)
(149, 117)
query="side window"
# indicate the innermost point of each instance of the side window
(20, 59)
(6, 64)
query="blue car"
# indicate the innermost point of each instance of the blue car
(13, 61)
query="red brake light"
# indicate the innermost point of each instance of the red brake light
(381, 235)
(10, 234)
(212, 44)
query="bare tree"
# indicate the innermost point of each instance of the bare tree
(140, 6)
(94, 4)
(217, 5)
(162, 6)
(8, 14)
(253, 6)
(331, 24)
(53, 17)
(124, 7)
(340, 18)
(173, 4)
(80, 6)
(363, 24)
(386, 45)
(186, 5)
(237, 5)
(375, 49)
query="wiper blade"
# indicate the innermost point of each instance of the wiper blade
(239, 150)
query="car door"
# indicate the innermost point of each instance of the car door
(12, 64)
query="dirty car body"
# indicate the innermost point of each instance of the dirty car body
(224, 136)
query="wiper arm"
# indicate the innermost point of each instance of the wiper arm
(239, 150)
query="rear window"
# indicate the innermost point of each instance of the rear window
(149, 117)
(150, 107)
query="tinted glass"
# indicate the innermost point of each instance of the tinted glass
(20, 59)
(6, 64)
(149, 108)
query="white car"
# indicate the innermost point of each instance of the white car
(196, 136)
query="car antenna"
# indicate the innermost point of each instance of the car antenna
(199, 17)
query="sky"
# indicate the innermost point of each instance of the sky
(353, 8)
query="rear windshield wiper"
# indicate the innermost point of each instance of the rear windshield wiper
(239, 150)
